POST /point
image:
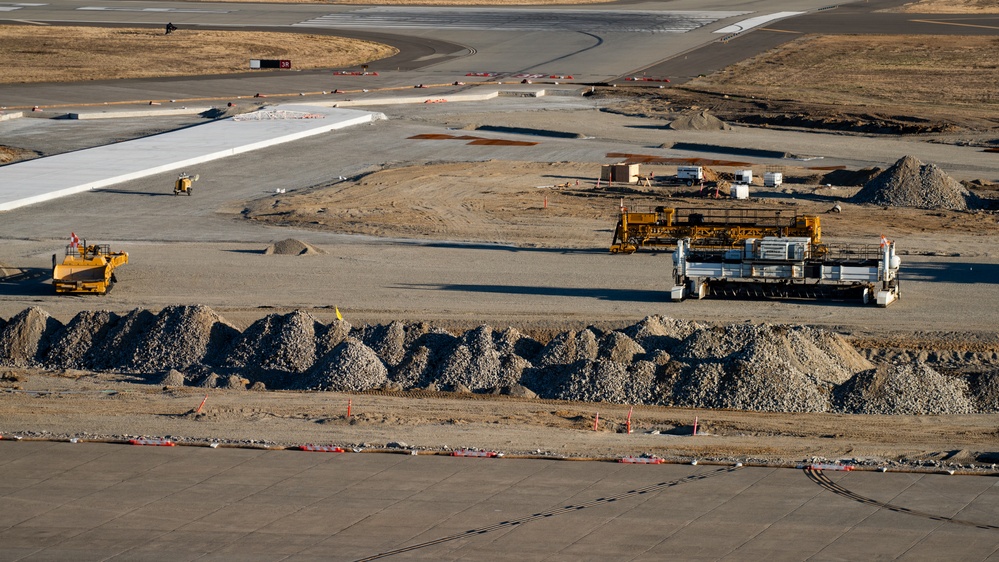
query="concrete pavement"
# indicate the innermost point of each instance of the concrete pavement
(119, 502)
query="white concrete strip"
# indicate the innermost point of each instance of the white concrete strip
(757, 21)
(105, 114)
(11, 115)
(43, 179)
(395, 100)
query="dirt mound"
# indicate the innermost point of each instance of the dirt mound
(10, 154)
(910, 183)
(173, 377)
(26, 337)
(698, 121)
(292, 247)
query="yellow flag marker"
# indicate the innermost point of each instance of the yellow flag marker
(338, 316)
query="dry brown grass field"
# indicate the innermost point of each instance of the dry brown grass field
(70, 54)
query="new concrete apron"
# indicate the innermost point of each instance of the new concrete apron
(34, 181)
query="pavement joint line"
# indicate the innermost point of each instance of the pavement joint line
(551, 513)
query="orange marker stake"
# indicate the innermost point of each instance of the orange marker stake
(629, 418)
(596, 421)
(349, 404)
(198, 411)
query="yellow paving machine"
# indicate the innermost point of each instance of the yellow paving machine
(87, 269)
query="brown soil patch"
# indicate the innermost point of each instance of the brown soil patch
(540, 204)
(10, 154)
(949, 7)
(862, 84)
(71, 54)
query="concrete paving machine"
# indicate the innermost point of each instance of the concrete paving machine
(87, 269)
(788, 267)
(185, 184)
(663, 227)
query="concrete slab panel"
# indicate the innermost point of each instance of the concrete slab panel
(355, 506)
(43, 179)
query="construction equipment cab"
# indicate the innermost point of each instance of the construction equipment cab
(87, 269)
(185, 183)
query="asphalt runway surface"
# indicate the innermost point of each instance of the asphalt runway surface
(88, 501)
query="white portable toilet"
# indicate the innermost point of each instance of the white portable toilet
(740, 191)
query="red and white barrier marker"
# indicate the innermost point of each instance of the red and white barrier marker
(322, 448)
(9, 437)
(154, 442)
(829, 466)
(640, 460)
(471, 453)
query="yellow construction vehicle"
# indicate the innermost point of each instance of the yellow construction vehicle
(185, 183)
(87, 269)
(661, 227)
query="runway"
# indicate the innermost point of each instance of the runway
(86, 501)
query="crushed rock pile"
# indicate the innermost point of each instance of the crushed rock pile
(698, 121)
(657, 361)
(292, 247)
(910, 183)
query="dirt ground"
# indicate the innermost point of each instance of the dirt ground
(859, 84)
(108, 407)
(558, 205)
(950, 7)
(70, 54)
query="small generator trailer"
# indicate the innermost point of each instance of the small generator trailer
(788, 267)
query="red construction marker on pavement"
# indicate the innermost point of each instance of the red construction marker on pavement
(322, 448)
(156, 442)
(641, 460)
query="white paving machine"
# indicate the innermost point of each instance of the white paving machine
(788, 267)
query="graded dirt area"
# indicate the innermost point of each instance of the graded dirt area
(106, 407)
(72, 54)
(552, 205)
(850, 83)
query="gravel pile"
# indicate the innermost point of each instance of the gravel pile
(181, 336)
(912, 388)
(292, 247)
(350, 366)
(282, 342)
(659, 361)
(910, 183)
